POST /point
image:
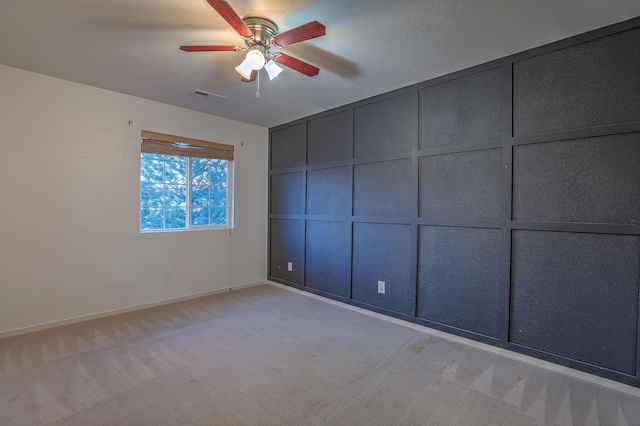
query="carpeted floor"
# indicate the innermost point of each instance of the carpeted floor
(269, 356)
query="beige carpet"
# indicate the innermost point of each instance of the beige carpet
(269, 356)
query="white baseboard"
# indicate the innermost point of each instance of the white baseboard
(612, 384)
(81, 318)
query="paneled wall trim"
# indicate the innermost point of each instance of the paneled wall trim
(499, 203)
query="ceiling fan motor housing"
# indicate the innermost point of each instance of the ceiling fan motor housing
(263, 30)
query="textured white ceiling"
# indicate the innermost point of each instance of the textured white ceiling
(371, 46)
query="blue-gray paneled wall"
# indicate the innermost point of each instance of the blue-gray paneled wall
(500, 203)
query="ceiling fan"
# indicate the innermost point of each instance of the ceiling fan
(260, 35)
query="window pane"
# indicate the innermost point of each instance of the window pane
(151, 218)
(219, 171)
(200, 174)
(151, 170)
(151, 195)
(218, 216)
(218, 197)
(200, 196)
(199, 216)
(175, 172)
(175, 195)
(175, 218)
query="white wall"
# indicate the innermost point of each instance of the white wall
(69, 204)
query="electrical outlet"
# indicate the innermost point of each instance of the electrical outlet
(169, 276)
(381, 287)
(290, 266)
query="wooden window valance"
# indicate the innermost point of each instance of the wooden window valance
(158, 143)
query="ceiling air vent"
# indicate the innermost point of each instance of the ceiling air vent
(208, 96)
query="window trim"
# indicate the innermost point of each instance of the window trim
(163, 144)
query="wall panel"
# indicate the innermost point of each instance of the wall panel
(329, 138)
(287, 193)
(288, 147)
(383, 189)
(595, 180)
(286, 244)
(466, 110)
(459, 277)
(329, 191)
(383, 126)
(463, 185)
(576, 295)
(328, 261)
(381, 252)
(590, 84)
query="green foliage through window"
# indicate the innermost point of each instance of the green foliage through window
(182, 192)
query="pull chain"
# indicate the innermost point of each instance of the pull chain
(258, 91)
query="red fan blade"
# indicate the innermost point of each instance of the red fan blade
(210, 48)
(296, 64)
(303, 32)
(254, 74)
(229, 15)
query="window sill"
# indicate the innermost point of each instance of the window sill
(204, 228)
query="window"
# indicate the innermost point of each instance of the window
(184, 183)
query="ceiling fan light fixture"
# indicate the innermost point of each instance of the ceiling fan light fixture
(273, 69)
(244, 70)
(254, 59)
(260, 34)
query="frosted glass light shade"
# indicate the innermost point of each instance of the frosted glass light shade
(254, 59)
(273, 69)
(244, 70)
